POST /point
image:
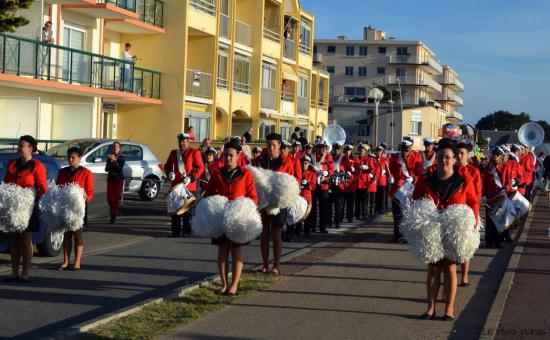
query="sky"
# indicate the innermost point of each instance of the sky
(500, 49)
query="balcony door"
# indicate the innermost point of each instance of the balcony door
(75, 68)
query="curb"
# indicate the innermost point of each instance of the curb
(492, 321)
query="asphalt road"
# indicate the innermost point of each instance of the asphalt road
(124, 264)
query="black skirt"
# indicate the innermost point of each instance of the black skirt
(223, 241)
(34, 221)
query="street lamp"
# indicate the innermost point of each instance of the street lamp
(377, 95)
(391, 120)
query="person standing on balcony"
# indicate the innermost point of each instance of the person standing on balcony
(46, 38)
(191, 133)
(294, 136)
(248, 135)
(115, 179)
(128, 67)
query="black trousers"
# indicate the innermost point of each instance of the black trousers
(372, 202)
(492, 237)
(528, 191)
(182, 224)
(350, 204)
(321, 204)
(381, 199)
(337, 205)
(397, 218)
(361, 203)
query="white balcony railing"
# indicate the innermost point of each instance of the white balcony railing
(305, 49)
(269, 98)
(198, 84)
(272, 35)
(240, 87)
(415, 60)
(302, 105)
(205, 6)
(413, 80)
(224, 26)
(243, 33)
(313, 104)
(323, 104)
(290, 49)
(453, 97)
(287, 96)
(223, 84)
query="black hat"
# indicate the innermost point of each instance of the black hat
(30, 139)
(336, 146)
(296, 143)
(308, 146)
(233, 144)
(305, 158)
(183, 136)
(274, 136)
(464, 145)
(285, 144)
(210, 150)
(74, 149)
(348, 147)
(256, 149)
(447, 143)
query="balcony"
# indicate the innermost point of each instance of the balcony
(313, 104)
(305, 49)
(243, 33)
(151, 19)
(290, 49)
(198, 84)
(322, 104)
(47, 67)
(414, 81)
(203, 6)
(407, 59)
(287, 96)
(241, 88)
(451, 97)
(272, 35)
(269, 98)
(104, 9)
(224, 26)
(302, 105)
(454, 83)
(223, 84)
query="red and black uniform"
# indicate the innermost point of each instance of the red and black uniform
(529, 163)
(307, 186)
(381, 171)
(81, 177)
(30, 174)
(337, 191)
(517, 171)
(350, 185)
(232, 184)
(115, 182)
(194, 168)
(363, 171)
(492, 185)
(321, 201)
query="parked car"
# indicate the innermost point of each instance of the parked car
(143, 171)
(47, 242)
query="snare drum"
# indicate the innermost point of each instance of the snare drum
(179, 200)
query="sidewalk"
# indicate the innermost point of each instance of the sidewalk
(527, 308)
(359, 288)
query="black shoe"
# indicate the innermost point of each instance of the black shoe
(465, 284)
(447, 317)
(427, 316)
(394, 240)
(112, 220)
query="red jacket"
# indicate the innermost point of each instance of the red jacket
(489, 186)
(513, 171)
(347, 165)
(462, 192)
(31, 175)
(311, 177)
(241, 184)
(529, 165)
(381, 164)
(280, 164)
(328, 165)
(475, 176)
(412, 165)
(362, 176)
(193, 163)
(81, 177)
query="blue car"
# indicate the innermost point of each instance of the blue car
(47, 242)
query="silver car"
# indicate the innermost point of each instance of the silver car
(142, 170)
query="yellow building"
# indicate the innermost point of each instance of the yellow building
(221, 66)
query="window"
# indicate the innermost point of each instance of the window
(331, 49)
(200, 122)
(330, 69)
(416, 128)
(370, 112)
(74, 65)
(266, 127)
(364, 130)
(400, 72)
(380, 70)
(242, 74)
(349, 70)
(402, 51)
(381, 50)
(302, 87)
(362, 50)
(305, 36)
(269, 76)
(362, 71)
(355, 91)
(99, 153)
(285, 132)
(132, 152)
(350, 50)
(223, 67)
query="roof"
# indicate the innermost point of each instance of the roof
(499, 137)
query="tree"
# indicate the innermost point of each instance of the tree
(9, 18)
(503, 121)
(546, 128)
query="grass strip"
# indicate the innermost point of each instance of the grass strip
(157, 319)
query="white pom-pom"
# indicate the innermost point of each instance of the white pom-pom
(241, 220)
(49, 208)
(63, 208)
(284, 190)
(16, 205)
(422, 230)
(460, 238)
(297, 211)
(208, 218)
(261, 181)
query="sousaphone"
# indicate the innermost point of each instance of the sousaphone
(531, 134)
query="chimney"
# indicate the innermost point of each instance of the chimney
(372, 34)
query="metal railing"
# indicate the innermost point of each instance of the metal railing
(243, 33)
(290, 49)
(287, 96)
(269, 98)
(204, 6)
(413, 80)
(224, 26)
(272, 35)
(240, 87)
(302, 105)
(313, 104)
(453, 97)
(323, 104)
(198, 84)
(27, 57)
(305, 49)
(415, 60)
(223, 84)
(125, 4)
(151, 12)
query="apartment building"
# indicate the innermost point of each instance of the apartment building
(408, 70)
(221, 66)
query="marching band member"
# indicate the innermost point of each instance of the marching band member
(115, 179)
(297, 150)
(513, 178)
(74, 173)
(183, 165)
(463, 153)
(273, 225)
(428, 155)
(529, 162)
(445, 187)
(494, 190)
(372, 184)
(350, 185)
(256, 151)
(232, 181)
(27, 173)
(322, 161)
(516, 153)
(382, 172)
(307, 186)
(337, 188)
(404, 167)
(362, 167)
(210, 165)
